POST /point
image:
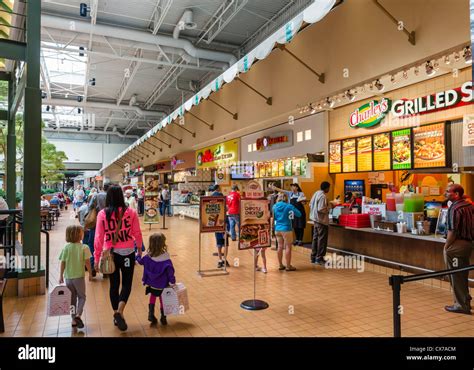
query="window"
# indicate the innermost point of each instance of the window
(307, 135)
(299, 137)
(249, 149)
(254, 146)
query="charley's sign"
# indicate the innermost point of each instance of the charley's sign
(369, 114)
(373, 113)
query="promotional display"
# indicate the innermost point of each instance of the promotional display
(429, 146)
(253, 190)
(282, 168)
(349, 163)
(382, 152)
(212, 214)
(152, 214)
(364, 153)
(335, 163)
(401, 149)
(254, 224)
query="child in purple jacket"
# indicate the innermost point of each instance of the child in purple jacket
(158, 273)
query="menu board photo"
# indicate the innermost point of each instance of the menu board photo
(262, 170)
(255, 224)
(281, 168)
(364, 154)
(288, 167)
(335, 164)
(212, 214)
(382, 152)
(304, 167)
(268, 169)
(296, 167)
(429, 146)
(401, 149)
(349, 155)
(275, 169)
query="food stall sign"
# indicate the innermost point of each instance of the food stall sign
(275, 141)
(212, 214)
(253, 190)
(370, 114)
(217, 155)
(255, 224)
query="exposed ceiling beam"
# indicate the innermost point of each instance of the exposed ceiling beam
(94, 6)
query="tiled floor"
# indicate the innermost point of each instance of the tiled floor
(310, 302)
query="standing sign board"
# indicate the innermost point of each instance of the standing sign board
(468, 130)
(212, 214)
(152, 214)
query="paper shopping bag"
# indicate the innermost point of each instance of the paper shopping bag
(175, 300)
(59, 301)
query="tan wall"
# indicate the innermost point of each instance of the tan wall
(356, 36)
(339, 118)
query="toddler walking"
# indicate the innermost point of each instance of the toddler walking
(158, 273)
(74, 257)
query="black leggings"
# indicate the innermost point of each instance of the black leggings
(299, 232)
(124, 265)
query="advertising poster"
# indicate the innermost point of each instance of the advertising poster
(468, 130)
(275, 169)
(296, 167)
(212, 214)
(429, 146)
(304, 167)
(281, 168)
(268, 169)
(382, 152)
(335, 164)
(401, 149)
(152, 213)
(255, 224)
(349, 155)
(364, 154)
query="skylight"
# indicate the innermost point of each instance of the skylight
(64, 66)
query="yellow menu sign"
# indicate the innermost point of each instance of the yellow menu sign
(382, 157)
(218, 155)
(335, 157)
(364, 153)
(349, 155)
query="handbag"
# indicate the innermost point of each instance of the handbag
(106, 262)
(91, 219)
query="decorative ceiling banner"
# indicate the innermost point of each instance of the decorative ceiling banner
(285, 34)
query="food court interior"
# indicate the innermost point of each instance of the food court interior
(184, 96)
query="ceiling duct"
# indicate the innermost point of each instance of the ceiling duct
(185, 23)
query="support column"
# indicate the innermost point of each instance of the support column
(11, 150)
(32, 136)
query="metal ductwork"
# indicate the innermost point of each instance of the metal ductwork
(110, 106)
(136, 36)
(90, 132)
(185, 23)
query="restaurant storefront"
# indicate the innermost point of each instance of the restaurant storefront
(398, 154)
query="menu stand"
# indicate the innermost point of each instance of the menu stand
(254, 304)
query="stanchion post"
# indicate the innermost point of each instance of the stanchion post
(396, 281)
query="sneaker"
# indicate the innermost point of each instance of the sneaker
(220, 264)
(94, 273)
(282, 267)
(119, 321)
(295, 242)
(457, 309)
(79, 323)
(291, 268)
(264, 270)
(257, 268)
(300, 243)
(227, 263)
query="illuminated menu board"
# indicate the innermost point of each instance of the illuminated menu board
(401, 149)
(335, 164)
(349, 155)
(364, 153)
(382, 152)
(429, 146)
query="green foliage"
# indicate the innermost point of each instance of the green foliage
(19, 195)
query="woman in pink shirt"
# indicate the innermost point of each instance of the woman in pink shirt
(117, 215)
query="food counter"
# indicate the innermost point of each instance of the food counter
(186, 209)
(419, 251)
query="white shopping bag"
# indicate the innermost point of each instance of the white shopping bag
(59, 301)
(175, 300)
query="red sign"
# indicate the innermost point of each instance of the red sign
(267, 141)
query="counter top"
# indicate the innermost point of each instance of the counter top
(431, 238)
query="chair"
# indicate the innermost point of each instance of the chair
(46, 219)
